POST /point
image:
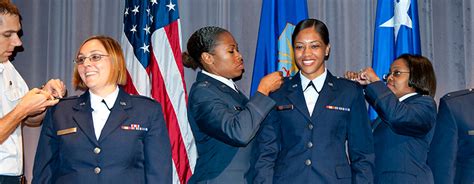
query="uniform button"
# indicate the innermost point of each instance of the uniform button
(310, 126)
(307, 162)
(97, 170)
(309, 144)
(97, 150)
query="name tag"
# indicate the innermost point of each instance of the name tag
(284, 107)
(66, 131)
(470, 132)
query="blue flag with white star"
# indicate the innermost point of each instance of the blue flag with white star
(274, 51)
(396, 33)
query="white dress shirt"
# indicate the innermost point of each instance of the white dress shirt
(228, 82)
(310, 94)
(12, 88)
(101, 111)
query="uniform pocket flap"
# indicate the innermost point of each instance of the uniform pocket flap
(343, 172)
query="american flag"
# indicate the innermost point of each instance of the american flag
(152, 45)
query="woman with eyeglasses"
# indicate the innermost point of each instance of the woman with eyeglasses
(104, 135)
(407, 115)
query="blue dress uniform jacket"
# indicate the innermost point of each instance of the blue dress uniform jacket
(402, 135)
(451, 156)
(133, 146)
(298, 148)
(224, 123)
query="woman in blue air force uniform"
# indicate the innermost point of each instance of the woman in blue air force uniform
(451, 155)
(304, 139)
(224, 122)
(104, 135)
(407, 115)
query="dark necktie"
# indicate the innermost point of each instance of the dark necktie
(311, 85)
(103, 101)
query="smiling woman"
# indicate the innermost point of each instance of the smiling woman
(104, 135)
(318, 118)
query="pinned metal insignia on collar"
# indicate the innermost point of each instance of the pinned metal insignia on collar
(123, 103)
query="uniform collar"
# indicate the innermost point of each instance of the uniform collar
(227, 82)
(318, 81)
(96, 101)
(406, 96)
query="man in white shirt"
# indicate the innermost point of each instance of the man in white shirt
(18, 106)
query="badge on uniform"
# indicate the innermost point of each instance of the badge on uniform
(470, 132)
(338, 108)
(284, 107)
(67, 131)
(134, 127)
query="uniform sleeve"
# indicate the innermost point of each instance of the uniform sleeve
(444, 146)
(46, 159)
(158, 168)
(229, 124)
(415, 118)
(268, 148)
(360, 142)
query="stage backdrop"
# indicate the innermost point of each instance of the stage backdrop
(54, 29)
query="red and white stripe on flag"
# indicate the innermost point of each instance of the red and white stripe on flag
(152, 46)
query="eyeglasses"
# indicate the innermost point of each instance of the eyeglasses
(394, 73)
(92, 58)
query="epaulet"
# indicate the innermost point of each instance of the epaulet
(143, 97)
(70, 98)
(203, 84)
(351, 82)
(344, 79)
(458, 93)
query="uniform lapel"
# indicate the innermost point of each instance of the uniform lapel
(117, 114)
(237, 96)
(296, 96)
(379, 120)
(327, 95)
(376, 123)
(243, 98)
(83, 117)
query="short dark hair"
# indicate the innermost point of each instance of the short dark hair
(6, 7)
(317, 25)
(422, 75)
(203, 40)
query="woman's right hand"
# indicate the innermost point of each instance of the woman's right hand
(270, 83)
(364, 77)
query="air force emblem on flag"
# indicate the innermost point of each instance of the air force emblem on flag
(286, 62)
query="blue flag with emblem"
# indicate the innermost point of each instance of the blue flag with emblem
(274, 51)
(396, 33)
